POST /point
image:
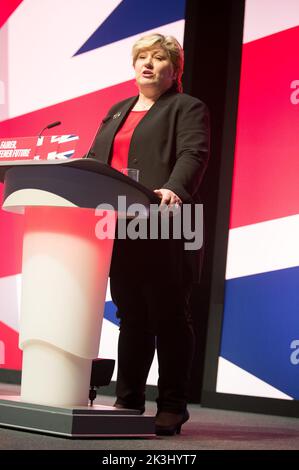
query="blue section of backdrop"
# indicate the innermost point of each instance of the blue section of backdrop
(110, 313)
(260, 324)
(133, 17)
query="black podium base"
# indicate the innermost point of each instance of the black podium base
(83, 421)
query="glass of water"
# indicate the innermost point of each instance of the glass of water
(131, 173)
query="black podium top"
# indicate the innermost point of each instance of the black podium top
(83, 182)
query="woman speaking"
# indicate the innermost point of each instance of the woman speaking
(163, 133)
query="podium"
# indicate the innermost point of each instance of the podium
(65, 269)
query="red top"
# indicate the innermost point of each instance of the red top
(122, 140)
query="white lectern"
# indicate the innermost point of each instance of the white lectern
(64, 278)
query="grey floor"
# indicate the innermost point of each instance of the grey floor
(207, 429)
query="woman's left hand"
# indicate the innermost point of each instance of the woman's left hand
(168, 197)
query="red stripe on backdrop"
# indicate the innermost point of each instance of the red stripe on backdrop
(81, 116)
(266, 169)
(11, 355)
(7, 7)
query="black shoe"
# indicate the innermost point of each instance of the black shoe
(120, 406)
(168, 424)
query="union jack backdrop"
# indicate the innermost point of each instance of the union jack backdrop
(65, 60)
(260, 335)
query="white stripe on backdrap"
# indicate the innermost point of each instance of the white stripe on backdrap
(43, 38)
(265, 17)
(234, 380)
(263, 247)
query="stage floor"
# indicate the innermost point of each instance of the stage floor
(207, 429)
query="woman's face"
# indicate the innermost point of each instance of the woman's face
(153, 68)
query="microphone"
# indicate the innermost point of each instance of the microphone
(49, 126)
(90, 152)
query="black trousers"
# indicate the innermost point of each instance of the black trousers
(153, 314)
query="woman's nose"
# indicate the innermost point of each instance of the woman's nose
(148, 62)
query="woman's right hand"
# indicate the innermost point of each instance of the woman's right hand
(168, 197)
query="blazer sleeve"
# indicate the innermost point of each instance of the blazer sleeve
(192, 150)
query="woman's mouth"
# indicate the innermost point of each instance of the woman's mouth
(147, 74)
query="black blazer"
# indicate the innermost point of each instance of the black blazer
(170, 147)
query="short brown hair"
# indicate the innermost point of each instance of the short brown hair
(171, 46)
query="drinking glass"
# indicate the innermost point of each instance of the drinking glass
(131, 173)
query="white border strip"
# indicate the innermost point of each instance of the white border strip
(49, 71)
(263, 247)
(234, 380)
(265, 17)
